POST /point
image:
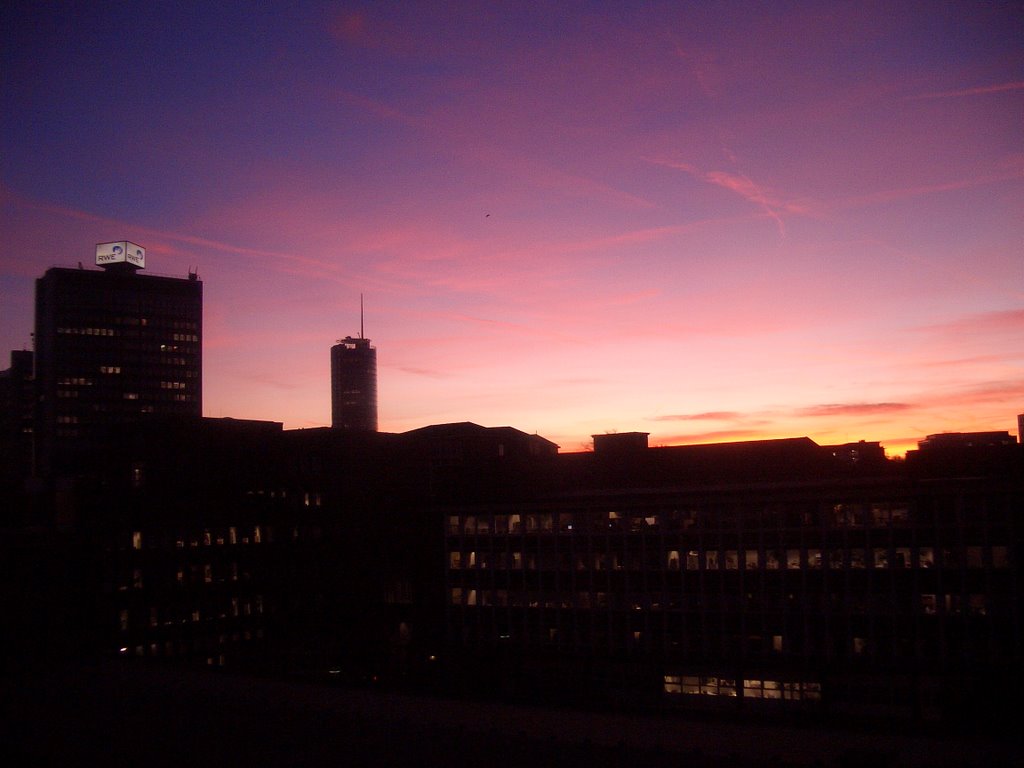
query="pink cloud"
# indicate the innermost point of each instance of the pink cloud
(977, 91)
(709, 416)
(852, 409)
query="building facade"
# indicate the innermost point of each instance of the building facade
(694, 580)
(354, 385)
(112, 346)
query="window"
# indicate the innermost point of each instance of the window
(793, 559)
(136, 539)
(1000, 557)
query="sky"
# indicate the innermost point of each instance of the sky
(707, 221)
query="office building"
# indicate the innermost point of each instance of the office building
(354, 385)
(764, 577)
(112, 346)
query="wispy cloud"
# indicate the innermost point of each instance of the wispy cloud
(1004, 321)
(980, 90)
(770, 203)
(724, 436)
(708, 416)
(852, 409)
(427, 372)
(1014, 172)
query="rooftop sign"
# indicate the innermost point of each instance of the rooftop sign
(122, 252)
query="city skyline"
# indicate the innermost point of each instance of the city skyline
(708, 225)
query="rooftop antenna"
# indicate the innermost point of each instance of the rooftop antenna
(361, 316)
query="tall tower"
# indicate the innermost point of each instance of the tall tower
(354, 382)
(113, 346)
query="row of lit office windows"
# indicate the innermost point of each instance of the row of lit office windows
(75, 331)
(200, 646)
(875, 515)
(748, 688)
(972, 604)
(143, 322)
(180, 397)
(231, 535)
(194, 573)
(853, 558)
(167, 616)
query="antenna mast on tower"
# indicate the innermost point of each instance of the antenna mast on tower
(361, 316)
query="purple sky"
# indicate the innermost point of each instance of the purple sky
(709, 222)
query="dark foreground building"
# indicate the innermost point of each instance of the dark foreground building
(777, 576)
(112, 346)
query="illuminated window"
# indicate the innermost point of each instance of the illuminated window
(257, 535)
(136, 539)
(455, 560)
(880, 557)
(750, 559)
(926, 557)
(232, 535)
(693, 560)
(974, 557)
(793, 559)
(1000, 557)
(976, 604)
(731, 560)
(711, 560)
(673, 560)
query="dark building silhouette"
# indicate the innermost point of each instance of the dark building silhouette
(354, 385)
(775, 577)
(767, 577)
(112, 346)
(17, 424)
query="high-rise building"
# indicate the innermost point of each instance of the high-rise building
(113, 346)
(354, 385)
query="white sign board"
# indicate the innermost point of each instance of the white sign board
(122, 252)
